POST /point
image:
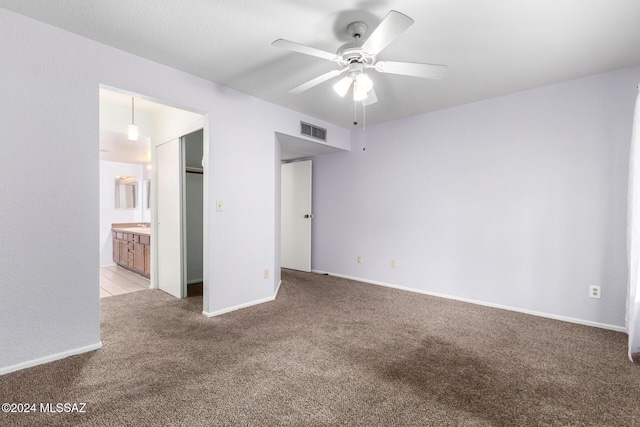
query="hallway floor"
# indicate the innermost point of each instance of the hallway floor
(115, 280)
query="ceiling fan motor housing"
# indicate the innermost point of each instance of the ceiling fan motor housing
(348, 55)
(354, 69)
(352, 52)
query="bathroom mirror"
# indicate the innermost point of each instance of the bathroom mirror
(147, 193)
(126, 192)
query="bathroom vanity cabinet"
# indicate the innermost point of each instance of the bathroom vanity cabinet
(132, 248)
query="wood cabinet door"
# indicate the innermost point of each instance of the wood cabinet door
(138, 257)
(123, 248)
(147, 260)
(116, 251)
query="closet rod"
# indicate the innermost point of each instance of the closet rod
(195, 170)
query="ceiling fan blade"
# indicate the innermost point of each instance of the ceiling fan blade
(300, 48)
(427, 71)
(371, 98)
(394, 24)
(314, 82)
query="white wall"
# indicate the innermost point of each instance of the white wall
(50, 120)
(108, 213)
(518, 201)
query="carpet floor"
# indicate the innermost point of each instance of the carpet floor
(330, 351)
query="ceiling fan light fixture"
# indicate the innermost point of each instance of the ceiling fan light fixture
(343, 85)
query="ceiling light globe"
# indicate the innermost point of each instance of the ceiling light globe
(342, 86)
(364, 82)
(359, 94)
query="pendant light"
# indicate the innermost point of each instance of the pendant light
(133, 129)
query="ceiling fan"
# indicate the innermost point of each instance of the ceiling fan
(355, 57)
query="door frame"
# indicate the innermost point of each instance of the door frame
(301, 260)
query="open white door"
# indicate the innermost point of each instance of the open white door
(296, 215)
(169, 218)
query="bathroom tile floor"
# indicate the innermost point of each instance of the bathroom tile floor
(115, 280)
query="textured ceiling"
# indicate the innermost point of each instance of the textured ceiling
(492, 47)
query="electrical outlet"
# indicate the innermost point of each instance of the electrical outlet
(594, 291)
(394, 263)
(266, 273)
(359, 259)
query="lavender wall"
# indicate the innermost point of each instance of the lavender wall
(49, 176)
(517, 201)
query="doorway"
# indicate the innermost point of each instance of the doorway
(156, 122)
(124, 172)
(296, 198)
(296, 216)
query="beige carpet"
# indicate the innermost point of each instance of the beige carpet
(330, 351)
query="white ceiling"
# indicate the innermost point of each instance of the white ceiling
(492, 47)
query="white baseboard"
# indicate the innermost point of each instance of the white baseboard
(51, 358)
(245, 305)
(238, 307)
(486, 304)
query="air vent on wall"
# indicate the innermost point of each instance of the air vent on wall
(313, 131)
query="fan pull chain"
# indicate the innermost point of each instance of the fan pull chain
(364, 126)
(364, 121)
(355, 113)
(364, 117)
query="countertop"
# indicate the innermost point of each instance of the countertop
(130, 228)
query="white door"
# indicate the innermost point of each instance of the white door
(169, 218)
(296, 215)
